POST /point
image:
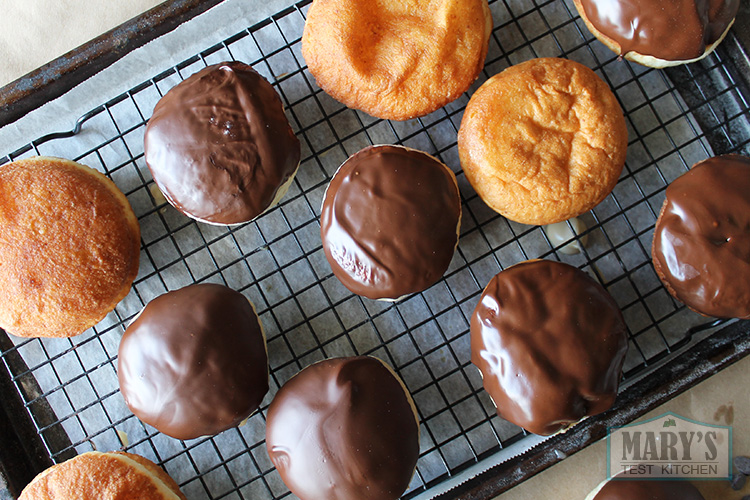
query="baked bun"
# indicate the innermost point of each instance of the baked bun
(639, 489)
(659, 33)
(701, 246)
(543, 141)
(69, 247)
(390, 221)
(194, 362)
(220, 147)
(344, 429)
(549, 342)
(396, 59)
(103, 476)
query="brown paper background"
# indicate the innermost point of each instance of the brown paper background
(33, 32)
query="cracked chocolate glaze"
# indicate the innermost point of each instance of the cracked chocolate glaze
(550, 343)
(219, 145)
(194, 362)
(633, 489)
(389, 221)
(701, 246)
(344, 429)
(673, 30)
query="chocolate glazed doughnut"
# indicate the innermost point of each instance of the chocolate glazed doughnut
(549, 342)
(194, 362)
(701, 246)
(389, 221)
(220, 147)
(344, 429)
(658, 34)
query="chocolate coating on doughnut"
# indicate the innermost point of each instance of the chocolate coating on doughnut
(343, 429)
(389, 221)
(194, 362)
(219, 145)
(673, 30)
(550, 343)
(633, 489)
(701, 246)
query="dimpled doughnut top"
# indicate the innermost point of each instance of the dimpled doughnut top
(543, 141)
(396, 59)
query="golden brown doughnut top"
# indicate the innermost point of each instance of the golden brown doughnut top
(69, 247)
(550, 343)
(701, 247)
(673, 30)
(543, 141)
(344, 429)
(96, 476)
(219, 145)
(396, 59)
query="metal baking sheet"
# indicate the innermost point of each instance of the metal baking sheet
(68, 388)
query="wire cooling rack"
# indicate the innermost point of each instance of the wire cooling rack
(69, 387)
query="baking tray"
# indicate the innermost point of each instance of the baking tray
(60, 396)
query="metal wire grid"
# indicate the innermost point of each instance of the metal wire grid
(277, 261)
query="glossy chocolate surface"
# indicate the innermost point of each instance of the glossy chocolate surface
(194, 362)
(550, 343)
(701, 245)
(389, 221)
(343, 429)
(626, 489)
(219, 145)
(673, 30)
